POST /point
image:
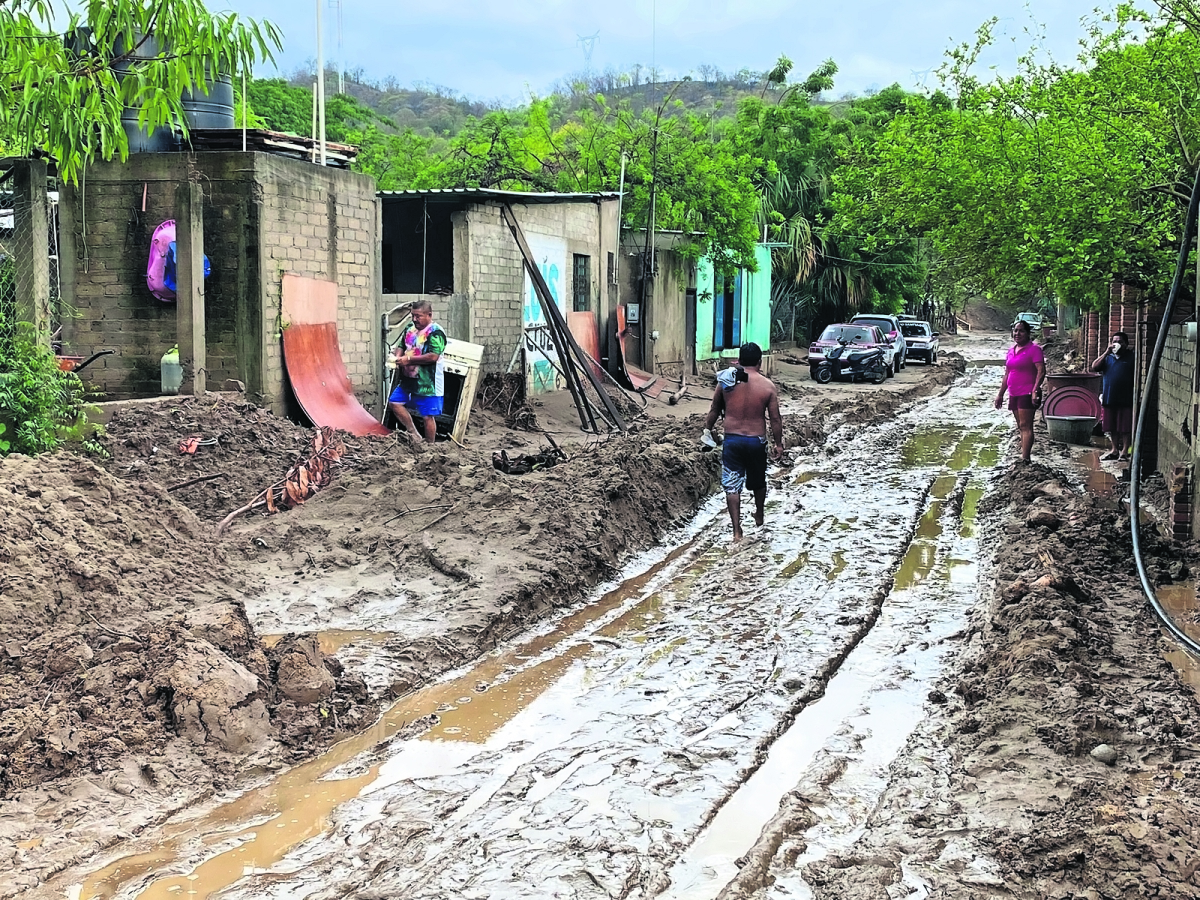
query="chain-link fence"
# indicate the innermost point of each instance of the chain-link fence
(29, 265)
(8, 272)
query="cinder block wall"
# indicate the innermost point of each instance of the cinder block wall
(1176, 373)
(264, 215)
(320, 223)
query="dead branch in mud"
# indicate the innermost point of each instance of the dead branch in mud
(406, 511)
(440, 563)
(301, 481)
(201, 479)
(452, 509)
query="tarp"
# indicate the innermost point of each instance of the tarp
(313, 359)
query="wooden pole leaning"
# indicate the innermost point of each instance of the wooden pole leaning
(573, 361)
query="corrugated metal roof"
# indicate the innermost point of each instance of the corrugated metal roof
(507, 196)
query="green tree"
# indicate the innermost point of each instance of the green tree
(66, 96)
(1054, 181)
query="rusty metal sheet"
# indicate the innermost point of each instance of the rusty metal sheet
(313, 359)
(587, 336)
(319, 380)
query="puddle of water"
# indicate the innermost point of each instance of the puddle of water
(649, 612)
(838, 567)
(1099, 482)
(943, 486)
(970, 511)
(332, 641)
(1186, 666)
(1181, 602)
(31, 844)
(796, 566)
(297, 804)
(474, 719)
(922, 552)
(928, 447)
(805, 477)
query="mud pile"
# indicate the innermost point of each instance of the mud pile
(122, 631)
(243, 448)
(1069, 740)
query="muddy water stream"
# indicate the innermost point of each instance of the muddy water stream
(637, 746)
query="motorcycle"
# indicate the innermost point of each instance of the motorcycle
(857, 365)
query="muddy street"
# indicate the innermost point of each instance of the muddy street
(641, 745)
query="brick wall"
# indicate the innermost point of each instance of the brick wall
(1176, 419)
(263, 216)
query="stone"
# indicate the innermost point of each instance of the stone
(1105, 754)
(793, 682)
(69, 655)
(1040, 517)
(301, 675)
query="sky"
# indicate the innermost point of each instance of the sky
(505, 51)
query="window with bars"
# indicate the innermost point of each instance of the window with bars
(582, 282)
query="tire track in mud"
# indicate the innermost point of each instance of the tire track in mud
(635, 878)
(781, 841)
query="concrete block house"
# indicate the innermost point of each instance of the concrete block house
(260, 215)
(689, 317)
(452, 248)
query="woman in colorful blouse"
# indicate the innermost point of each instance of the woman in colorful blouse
(1024, 372)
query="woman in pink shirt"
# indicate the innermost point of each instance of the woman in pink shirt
(1024, 372)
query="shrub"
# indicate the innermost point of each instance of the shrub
(37, 399)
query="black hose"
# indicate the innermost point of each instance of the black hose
(1135, 465)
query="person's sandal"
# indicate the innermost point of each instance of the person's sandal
(1114, 455)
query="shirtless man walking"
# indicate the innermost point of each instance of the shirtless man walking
(747, 398)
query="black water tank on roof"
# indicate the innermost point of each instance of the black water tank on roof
(211, 110)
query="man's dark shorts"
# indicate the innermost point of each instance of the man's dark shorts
(743, 463)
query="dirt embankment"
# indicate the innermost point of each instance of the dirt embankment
(1066, 763)
(132, 681)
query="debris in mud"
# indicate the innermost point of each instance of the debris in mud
(528, 462)
(505, 394)
(302, 480)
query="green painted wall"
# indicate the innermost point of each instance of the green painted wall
(756, 306)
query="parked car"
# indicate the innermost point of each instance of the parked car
(922, 341)
(890, 326)
(856, 337)
(1034, 320)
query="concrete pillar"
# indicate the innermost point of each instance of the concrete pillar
(32, 246)
(68, 259)
(189, 291)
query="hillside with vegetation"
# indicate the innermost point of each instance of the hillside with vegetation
(1038, 188)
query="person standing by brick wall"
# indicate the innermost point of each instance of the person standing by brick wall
(1116, 394)
(422, 380)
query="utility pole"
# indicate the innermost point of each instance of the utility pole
(341, 51)
(320, 84)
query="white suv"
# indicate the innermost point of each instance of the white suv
(922, 340)
(890, 326)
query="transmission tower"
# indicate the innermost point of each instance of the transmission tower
(588, 44)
